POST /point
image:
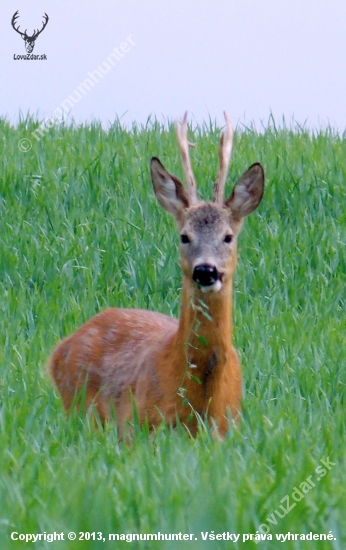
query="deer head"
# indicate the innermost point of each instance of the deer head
(29, 40)
(208, 230)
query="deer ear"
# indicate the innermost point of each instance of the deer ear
(168, 189)
(247, 192)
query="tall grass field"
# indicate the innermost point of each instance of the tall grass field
(80, 230)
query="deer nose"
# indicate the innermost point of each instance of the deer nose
(205, 274)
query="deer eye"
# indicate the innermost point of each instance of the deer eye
(184, 239)
(228, 238)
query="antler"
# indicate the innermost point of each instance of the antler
(14, 21)
(36, 33)
(225, 150)
(184, 150)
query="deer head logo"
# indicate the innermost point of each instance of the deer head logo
(29, 40)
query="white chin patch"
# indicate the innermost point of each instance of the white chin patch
(212, 288)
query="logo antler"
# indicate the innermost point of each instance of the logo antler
(29, 40)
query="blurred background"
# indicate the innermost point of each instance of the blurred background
(284, 58)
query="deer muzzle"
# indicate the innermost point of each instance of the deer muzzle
(206, 275)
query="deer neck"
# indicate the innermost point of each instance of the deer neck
(205, 328)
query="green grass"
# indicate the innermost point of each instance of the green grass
(80, 229)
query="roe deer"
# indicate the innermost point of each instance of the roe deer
(172, 368)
